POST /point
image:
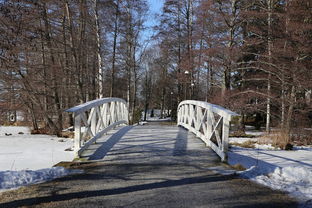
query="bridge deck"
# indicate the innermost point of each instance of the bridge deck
(148, 166)
(151, 144)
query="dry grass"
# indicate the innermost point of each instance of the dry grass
(280, 139)
(241, 134)
(17, 123)
(238, 167)
(67, 134)
(246, 144)
(71, 165)
(40, 131)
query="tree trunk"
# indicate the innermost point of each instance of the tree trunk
(54, 87)
(83, 70)
(270, 46)
(180, 89)
(290, 109)
(112, 88)
(73, 51)
(98, 51)
(33, 117)
(162, 105)
(134, 98)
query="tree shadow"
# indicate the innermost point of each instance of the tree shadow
(114, 191)
(106, 146)
(180, 145)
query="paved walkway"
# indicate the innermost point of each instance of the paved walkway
(148, 166)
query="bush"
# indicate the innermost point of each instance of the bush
(282, 140)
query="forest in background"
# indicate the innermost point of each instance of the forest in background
(251, 56)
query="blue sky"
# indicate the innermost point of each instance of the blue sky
(155, 5)
(155, 8)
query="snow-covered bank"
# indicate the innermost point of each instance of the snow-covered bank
(289, 171)
(15, 179)
(20, 150)
(28, 159)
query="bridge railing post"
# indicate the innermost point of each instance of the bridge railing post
(225, 134)
(77, 128)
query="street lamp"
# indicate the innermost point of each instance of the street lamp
(187, 81)
(192, 89)
(171, 94)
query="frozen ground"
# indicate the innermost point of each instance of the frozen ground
(289, 171)
(26, 158)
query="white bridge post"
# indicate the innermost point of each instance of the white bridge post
(77, 128)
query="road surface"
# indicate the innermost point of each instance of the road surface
(148, 166)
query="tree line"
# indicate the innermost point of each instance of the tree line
(252, 56)
(57, 54)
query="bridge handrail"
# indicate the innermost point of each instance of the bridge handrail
(97, 117)
(198, 117)
(88, 105)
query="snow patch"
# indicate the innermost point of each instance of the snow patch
(31, 152)
(295, 180)
(15, 179)
(289, 171)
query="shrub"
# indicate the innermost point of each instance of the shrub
(281, 139)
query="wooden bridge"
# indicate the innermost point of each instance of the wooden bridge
(153, 165)
(207, 121)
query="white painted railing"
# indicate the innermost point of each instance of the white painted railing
(209, 122)
(95, 118)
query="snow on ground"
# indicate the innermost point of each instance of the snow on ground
(289, 171)
(26, 151)
(15, 179)
(26, 158)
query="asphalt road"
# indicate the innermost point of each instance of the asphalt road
(148, 166)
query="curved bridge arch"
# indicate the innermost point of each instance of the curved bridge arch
(209, 122)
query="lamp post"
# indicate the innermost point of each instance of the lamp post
(192, 90)
(186, 73)
(171, 94)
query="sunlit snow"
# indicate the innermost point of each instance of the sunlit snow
(27, 159)
(289, 171)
